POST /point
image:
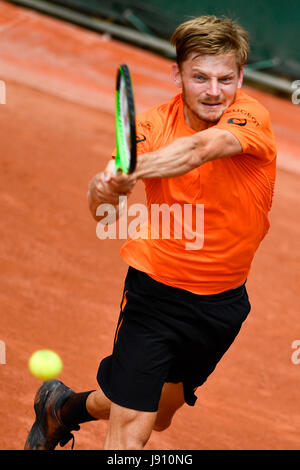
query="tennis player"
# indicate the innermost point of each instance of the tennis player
(210, 146)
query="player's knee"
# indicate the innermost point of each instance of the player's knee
(134, 444)
(128, 441)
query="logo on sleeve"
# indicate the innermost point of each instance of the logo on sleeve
(237, 121)
(140, 138)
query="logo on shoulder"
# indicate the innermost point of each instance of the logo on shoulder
(237, 121)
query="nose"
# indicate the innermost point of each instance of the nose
(213, 88)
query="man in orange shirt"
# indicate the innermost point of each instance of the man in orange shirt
(210, 147)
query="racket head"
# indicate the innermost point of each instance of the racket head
(125, 160)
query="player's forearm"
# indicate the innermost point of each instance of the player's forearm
(93, 205)
(187, 153)
(97, 213)
(100, 193)
(175, 159)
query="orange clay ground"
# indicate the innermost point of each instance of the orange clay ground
(60, 286)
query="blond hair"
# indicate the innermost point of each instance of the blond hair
(211, 35)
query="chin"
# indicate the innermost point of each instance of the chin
(211, 117)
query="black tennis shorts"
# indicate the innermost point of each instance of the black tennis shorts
(165, 334)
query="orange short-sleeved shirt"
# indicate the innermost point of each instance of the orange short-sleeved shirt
(223, 204)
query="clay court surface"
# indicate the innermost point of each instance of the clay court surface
(61, 285)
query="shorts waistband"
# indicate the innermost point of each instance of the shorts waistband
(165, 289)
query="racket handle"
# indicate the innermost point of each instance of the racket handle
(117, 170)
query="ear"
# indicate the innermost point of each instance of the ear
(241, 77)
(176, 75)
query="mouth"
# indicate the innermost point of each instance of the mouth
(211, 105)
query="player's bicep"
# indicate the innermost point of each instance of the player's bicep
(217, 143)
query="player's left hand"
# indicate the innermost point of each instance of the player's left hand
(120, 183)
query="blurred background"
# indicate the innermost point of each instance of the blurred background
(273, 27)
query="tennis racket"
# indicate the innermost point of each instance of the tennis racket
(125, 160)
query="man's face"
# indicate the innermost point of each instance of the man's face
(209, 84)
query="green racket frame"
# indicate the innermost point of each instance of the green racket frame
(125, 160)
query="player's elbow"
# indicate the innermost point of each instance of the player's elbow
(199, 152)
(213, 144)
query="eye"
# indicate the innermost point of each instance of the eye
(200, 78)
(226, 80)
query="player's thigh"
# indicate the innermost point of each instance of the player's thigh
(128, 429)
(172, 398)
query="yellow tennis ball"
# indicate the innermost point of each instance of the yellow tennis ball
(45, 364)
